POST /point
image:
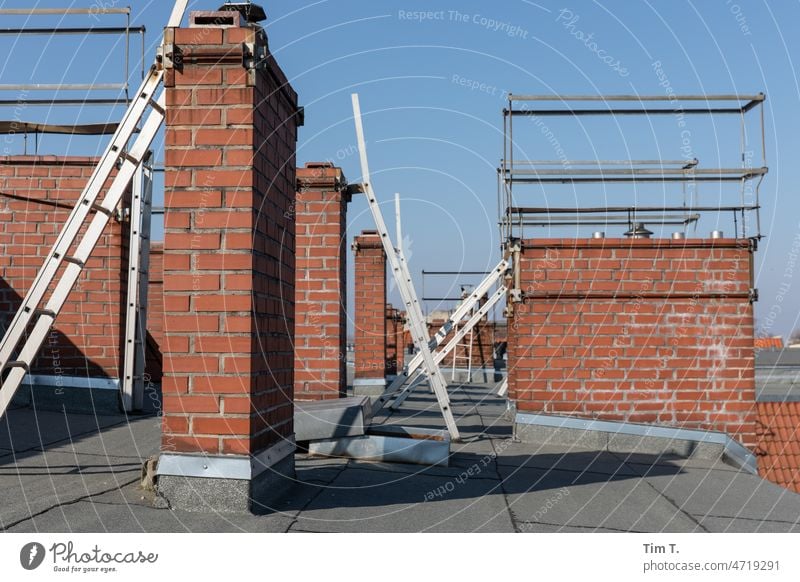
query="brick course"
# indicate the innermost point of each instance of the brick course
(650, 331)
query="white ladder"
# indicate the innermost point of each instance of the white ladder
(126, 162)
(135, 347)
(451, 345)
(463, 309)
(467, 356)
(397, 262)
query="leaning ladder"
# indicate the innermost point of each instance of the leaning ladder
(135, 347)
(126, 162)
(453, 343)
(463, 309)
(397, 262)
(466, 356)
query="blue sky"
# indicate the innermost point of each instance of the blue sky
(432, 90)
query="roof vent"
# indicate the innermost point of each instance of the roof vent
(252, 13)
(638, 230)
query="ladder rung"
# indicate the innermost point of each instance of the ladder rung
(154, 104)
(132, 159)
(102, 209)
(75, 261)
(46, 312)
(19, 364)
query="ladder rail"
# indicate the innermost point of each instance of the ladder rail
(405, 284)
(131, 300)
(144, 287)
(136, 297)
(176, 16)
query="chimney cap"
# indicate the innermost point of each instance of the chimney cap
(638, 230)
(252, 13)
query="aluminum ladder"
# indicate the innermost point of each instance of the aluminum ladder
(135, 346)
(402, 276)
(15, 361)
(461, 311)
(474, 320)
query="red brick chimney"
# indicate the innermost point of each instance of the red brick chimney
(321, 284)
(370, 315)
(229, 269)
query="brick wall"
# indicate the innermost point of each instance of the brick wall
(651, 331)
(392, 348)
(399, 339)
(370, 306)
(37, 194)
(321, 283)
(229, 247)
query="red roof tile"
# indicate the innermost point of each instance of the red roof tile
(766, 343)
(778, 443)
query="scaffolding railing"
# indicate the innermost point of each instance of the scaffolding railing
(79, 94)
(513, 217)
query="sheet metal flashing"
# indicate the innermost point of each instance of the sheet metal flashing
(369, 382)
(71, 382)
(390, 444)
(224, 466)
(733, 452)
(326, 419)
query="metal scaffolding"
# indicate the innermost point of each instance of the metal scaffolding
(80, 94)
(514, 217)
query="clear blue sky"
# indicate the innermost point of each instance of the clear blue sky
(438, 142)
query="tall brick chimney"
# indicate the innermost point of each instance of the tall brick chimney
(370, 315)
(321, 285)
(232, 117)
